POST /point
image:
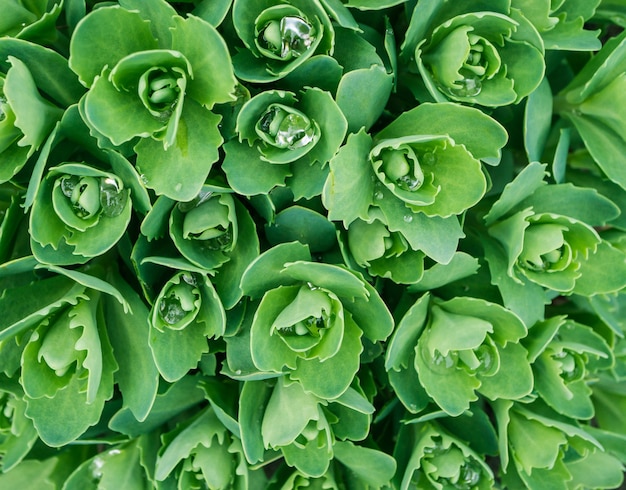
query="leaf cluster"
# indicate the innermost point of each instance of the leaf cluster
(319, 244)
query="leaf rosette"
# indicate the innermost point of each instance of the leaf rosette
(544, 248)
(540, 448)
(68, 367)
(186, 313)
(455, 350)
(310, 319)
(304, 428)
(383, 253)
(155, 88)
(540, 241)
(79, 212)
(491, 57)
(201, 453)
(278, 38)
(567, 357)
(421, 172)
(282, 135)
(206, 230)
(434, 459)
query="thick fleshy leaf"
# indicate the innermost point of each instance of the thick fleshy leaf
(330, 378)
(287, 414)
(247, 174)
(34, 115)
(349, 188)
(213, 78)
(196, 148)
(372, 466)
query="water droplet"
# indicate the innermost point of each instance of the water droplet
(95, 468)
(466, 87)
(294, 132)
(297, 36)
(288, 38)
(378, 195)
(3, 113)
(238, 372)
(408, 218)
(469, 475)
(171, 311)
(437, 362)
(488, 357)
(201, 198)
(112, 198)
(189, 278)
(285, 127)
(408, 183)
(219, 243)
(68, 182)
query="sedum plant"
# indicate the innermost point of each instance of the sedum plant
(322, 244)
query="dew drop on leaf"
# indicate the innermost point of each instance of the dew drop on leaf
(171, 310)
(408, 183)
(112, 198)
(466, 87)
(408, 218)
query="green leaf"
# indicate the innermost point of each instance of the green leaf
(534, 444)
(603, 272)
(288, 411)
(349, 188)
(252, 402)
(213, 12)
(213, 77)
(204, 430)
(526, 299)
(118, 467)
(34, 115)
(514, 379)
(25, 306)
(371, 466)
(525, 184)
(437, 237)
(31, 472)
(173, 400)
(402, 344)
(537, 121)
(101, 39)
(118, 114)
(461, 265)
(138, 377)
(582, 204)
(331, 378)
(604, 145)
(48, 68)
(360, 112)
(266, 271)
(159, 14)
(302, 224)
(342, 282)
(196, 148)
(78, 415)
(247, 174)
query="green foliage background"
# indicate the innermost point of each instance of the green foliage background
(334, 244)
